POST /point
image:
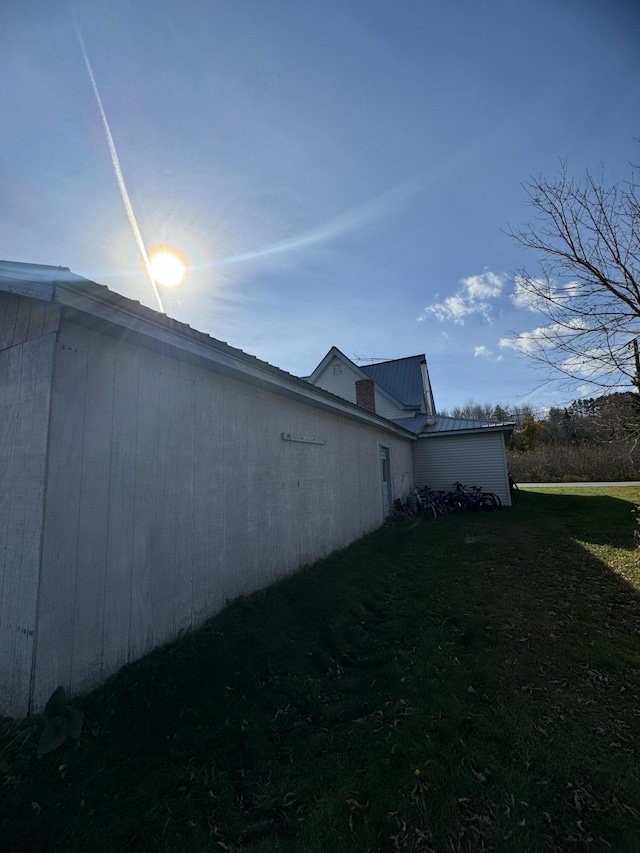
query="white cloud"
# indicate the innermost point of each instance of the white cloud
(454, 308)
(590, 363)
(525, 342)
(483, 286)
(486, 353)
(523, 297)
(535, 294)
(552, 334)
(588, 389)
(472, 298)
(482, 352)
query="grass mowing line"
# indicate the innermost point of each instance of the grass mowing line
(471, 684)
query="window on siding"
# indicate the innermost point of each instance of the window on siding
(337, 369)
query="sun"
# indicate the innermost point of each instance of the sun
(167, 268)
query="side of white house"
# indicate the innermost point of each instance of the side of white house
(168, 474)
(447, 449)
(475, 458)
(27, 346)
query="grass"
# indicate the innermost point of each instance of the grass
(467, 685)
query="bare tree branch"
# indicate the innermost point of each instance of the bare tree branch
(587, 237)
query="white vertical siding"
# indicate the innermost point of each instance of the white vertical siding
(386, 408)
(63, 518)
(121, 519)
(472, 458)
(342, 384)
(94, 455)
(25, 385)
(171, 491)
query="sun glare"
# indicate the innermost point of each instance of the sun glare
(167, 268)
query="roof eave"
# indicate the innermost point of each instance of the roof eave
(467, 430)
(94, 300)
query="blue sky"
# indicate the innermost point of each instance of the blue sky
(337, 173)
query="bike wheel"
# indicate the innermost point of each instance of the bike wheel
(456, 502)
(430, 511)
(489, 503)
(441, 507)
(413, 505)
(409, 513)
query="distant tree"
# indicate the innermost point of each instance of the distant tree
(475, 411)
(558, 428)
(531, 432)
(587, 235)
(528, 432)
(611, 417)
(618, 417)
(500, 414)
(585, 408)
(518, 414)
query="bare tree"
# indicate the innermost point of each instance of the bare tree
(587, 236)
(475, 411)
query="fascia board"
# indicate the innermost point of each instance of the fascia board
(44, 291)
(469, 431)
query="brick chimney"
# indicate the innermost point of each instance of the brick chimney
(365, 394)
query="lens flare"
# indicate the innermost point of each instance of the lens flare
(167, 268)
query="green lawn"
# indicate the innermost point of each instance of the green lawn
(468, 685)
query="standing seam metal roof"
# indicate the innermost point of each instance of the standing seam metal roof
(400, 377)
(419, 424)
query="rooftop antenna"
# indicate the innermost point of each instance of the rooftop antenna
(371, 360)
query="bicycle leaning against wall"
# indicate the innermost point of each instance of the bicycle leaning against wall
(513, 489)
(476, 498)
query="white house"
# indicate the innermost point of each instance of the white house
(150, 473)
(447, 449)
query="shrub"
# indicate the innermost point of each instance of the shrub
(563, 464)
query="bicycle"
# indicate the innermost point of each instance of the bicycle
(402, 510)
(439, 502)
(425, 504)
(513, 490)
(436, 499)
(475, 498)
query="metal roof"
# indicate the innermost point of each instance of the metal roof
(421, 426)
(401, 377)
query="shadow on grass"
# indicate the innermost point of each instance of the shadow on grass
(465, 685)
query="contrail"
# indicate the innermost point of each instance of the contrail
(374, 209)
(119, 176)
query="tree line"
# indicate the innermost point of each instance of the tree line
(596, 438)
